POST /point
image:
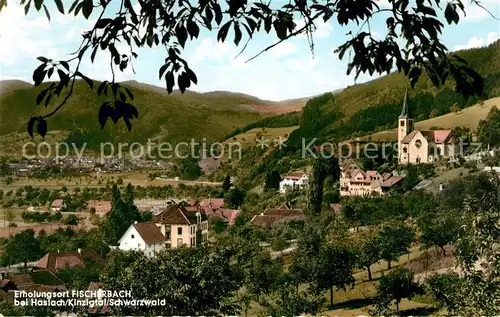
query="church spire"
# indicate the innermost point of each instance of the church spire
(405, 113)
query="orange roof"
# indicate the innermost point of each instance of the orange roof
(392, 181)
(294, 175)
(59, 260)
(432, 136)
(57, 203)
(226, 214)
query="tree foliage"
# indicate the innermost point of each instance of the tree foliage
(411, 43)
(396, 285)
(122, 215)
(23, 247)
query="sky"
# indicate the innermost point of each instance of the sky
(287, 71)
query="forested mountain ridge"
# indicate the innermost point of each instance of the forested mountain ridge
(370, 107)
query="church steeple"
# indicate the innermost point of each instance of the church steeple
(405, 112)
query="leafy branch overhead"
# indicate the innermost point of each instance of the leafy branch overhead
(411, 44)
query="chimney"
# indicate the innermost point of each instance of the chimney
(441, 186)
(79, 251)
(135, 222)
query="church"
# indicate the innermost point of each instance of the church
(423, 146)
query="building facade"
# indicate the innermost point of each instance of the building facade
(423, 146)
(354, 181)
(294, 181)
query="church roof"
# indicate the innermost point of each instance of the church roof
(405, 112)
(432, 136)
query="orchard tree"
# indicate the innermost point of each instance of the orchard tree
(394, 241)
(396, 285)
(333, 267)
(411, 43)
(438, 230)
(22, 248)
(367, 250)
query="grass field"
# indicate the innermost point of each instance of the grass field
(359, 300)
(249, 137)
(136, 178)
(468, 117)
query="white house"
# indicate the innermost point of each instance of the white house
(57, 205)
(294, 180)
(144, 236)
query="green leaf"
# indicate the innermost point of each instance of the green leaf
(64, 64)
(89, 81)
(59, 5)
(193, 29)
(47, 14)
(163, 68)
(73, 6)
(88, 6)
(31, 124)
(223, 31)
(42, 127)
(63, 77)
(39, 74)
(169, 78)
(209, 15)
(42, 59)
(41, 95)
(38, 4)
(218, 13)
(27, 7)
(192, 76)
(181, 33)
(102, 23)
(237, 34)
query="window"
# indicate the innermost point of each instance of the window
(402, 123)
(405, 150)
(179, 230)
(418, 144)
(131, 236)
(138, 246)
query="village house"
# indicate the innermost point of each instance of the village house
(181, 227)
(227, 215)
(173, 227)
(209, 164)
(57, 205)
(41, 281)
(354, 181)
(271, 216)
(294, 181)
(423, 146)
(209, 205)
(144, 236)
(100, 206)
(54, 261)
(213, 208)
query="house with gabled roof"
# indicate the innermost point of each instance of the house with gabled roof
(57, 205)
(144, 236)
(271, 216)
(174, 226)
(182, 227)
(54, 261)
(294, 181)
(423, 146)
(354, 181)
